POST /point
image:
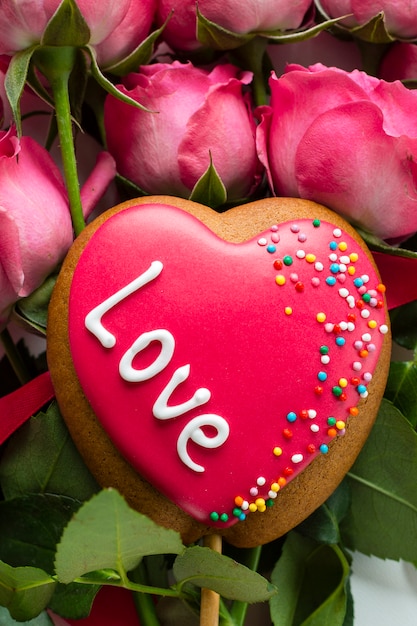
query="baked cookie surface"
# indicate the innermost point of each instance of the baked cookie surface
(222, 371)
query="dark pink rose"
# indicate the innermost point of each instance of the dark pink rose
(346, 140)
(400, 62)
(35, 223)
(196, 113)
(117, 28)
(234, 15)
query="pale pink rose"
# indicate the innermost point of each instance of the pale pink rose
(234, 15)
(399, 63)
(399, 15)
(346, 140)
(122, 24)
(35, 223)
(195, 112)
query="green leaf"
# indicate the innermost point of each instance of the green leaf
(15, 80)
(401, 389)
(382, 519)
(67, 27)
(73, 601)
(7, 620)
(33, 310)
(30, 528)
(25, 591)
(312, 580)
(106, 533)
(323, 524)
(209, 189)
(404, 327)
(42, 458)
(204, 567)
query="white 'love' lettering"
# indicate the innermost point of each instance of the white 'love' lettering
(161, 409)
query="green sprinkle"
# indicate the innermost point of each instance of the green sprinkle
(237, 512)
(269, 502)
(224, 517)
(287, 260)
(316, 223)
(214, 516)
(331, 421)
(324, 350)
(366, 297)
(337, 391)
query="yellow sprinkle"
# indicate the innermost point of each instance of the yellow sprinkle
(280, 279)
(340, 425)
(353, 257)
(343, 382)
(253, 507)
(310, 258)
(372, 324)
(321, 317)
(288, 310)
(343, 246)
(275, 487)
(262, 509)
(351, 270)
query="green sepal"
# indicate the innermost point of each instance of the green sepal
(313, 583)
(209, 189)
(295, 36)
(24, 591)
(140, 56)
(67, 27)
(32, 311)
(15, 80)
(107, 85)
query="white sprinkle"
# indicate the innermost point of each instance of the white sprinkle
(245, 505)
(367, 376)
(357, 366)
(312, 413)
(300, 254)
(295, 228)
(302, 237)
(253, 491)
(314, 428)
(358, 345)
(365, 278)
(260, 481)
(329, 327)
(366, 337)
(333, 257)
(319, 266)
(272, 494)
(365, 313)
(343, 325)
(350, 326)
(325, 359)
(345, 259)
(383, 329)
(337, 232)
(344, 292)
(297, 458)
(262, 241)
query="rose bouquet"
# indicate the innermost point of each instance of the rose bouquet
(221, 103)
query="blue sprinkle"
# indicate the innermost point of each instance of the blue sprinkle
(333, 245)
(242, 517)
(358, 282)
(340, 341)
(361, 388)
(330, 280)
(271, 248)
(322, 376)
(324, 449)
(291, 417)
(334, 268)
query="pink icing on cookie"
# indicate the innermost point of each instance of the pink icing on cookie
(221, 370)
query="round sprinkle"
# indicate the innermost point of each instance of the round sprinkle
(302, 237)
(354, 411)
(337, 232)
(253, 507)
(275, 237)
(357, 366)
(294, 277)
(325, 359)
(314, 428)
(299, 286)
(275, 487)
(297, 458)
(322, 376)
(337, 391)
(287, 433)
(316, 223)
(345, 260)
(331, 421)
(291, 416)
(344, 292)
(340, 425)
(331, 280)
(300, 254)
(333, 245)
(287, 260)
(311, 448)
(319, 267)
(381, 288)
(366, 337)
(332, 432)
(329, 327)
(365, 313)
(277, 451)
(253, 492)
(340, 341)
(310, 258)
(274, 228)
(280, 279)
(312, 413)
(260, 481)
(383, 329)
(224, 517)
(239, 501)
(334, 268)
(262, 241)
(278, 264)
(272, 494)
(324, 448)
(372, 324)
(358, 282)
(367, 376)
(271, 248)
(343, 246)
(214, 516)
(321, 317)
(295, 228)
(324, 349)
(282, 481)
(353, 256)
(361, 389)
(343, 382)
(315, 281)
(288, 310)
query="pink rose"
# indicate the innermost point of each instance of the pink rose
(399, 15)
(346, 140)
(234, 15)
(116, 28)
(400, 62)
(35, 224)
(196, 113)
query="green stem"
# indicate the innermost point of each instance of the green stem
(239, 609)
(56, 63)
(145, 606)
(15, 358)
(251, 56)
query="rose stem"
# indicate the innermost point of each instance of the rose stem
(56, 63)
(210, 600)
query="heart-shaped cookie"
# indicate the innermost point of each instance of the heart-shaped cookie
(224, 356)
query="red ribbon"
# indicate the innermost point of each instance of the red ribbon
(20, 405)
(112, 606)
(398, 274)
